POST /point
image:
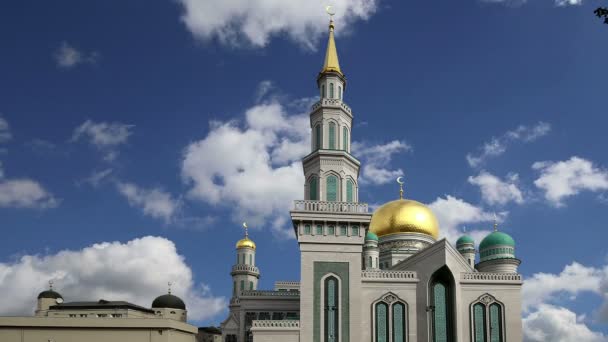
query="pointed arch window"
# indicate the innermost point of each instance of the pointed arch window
(381, 322)
(332, 136)
(369, 262)
(487, 317)
(390, 319)
(313, 189)
(250, 285)
(250, 259)
(317, 137)
(332, 188)
(242, 285)
(349, 191)
(331, 310)
(339, 92)
(345, 139)
(331, 90)
(323, 91)
(441, 307)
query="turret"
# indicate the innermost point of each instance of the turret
(497, 253)
(170, 306)
(244, 274)
(370, 252)
(466, 247)
(46, 299)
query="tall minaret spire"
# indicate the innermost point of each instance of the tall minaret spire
(331, 55)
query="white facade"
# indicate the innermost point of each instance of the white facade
(355, 287)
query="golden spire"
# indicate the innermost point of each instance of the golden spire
(331, 55)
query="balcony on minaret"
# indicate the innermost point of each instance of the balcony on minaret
(327, 102)
(330, 207)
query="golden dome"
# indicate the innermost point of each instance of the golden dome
(404, 216)
(245, 242)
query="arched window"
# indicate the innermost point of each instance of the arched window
(398, 322)
(307, 229)
(340, 92)
(250, 285)
(381, 322)
(242, 285)
(323, 91)
(319, 230)
(479, 322)
(349, 191)
(331, 309)
(345, 139)
(331, 230)
(234, 289)
(487, 317)
(331, 90)
(313, 189)
(442, 306)
(369, 262)
(495, 323)
(317, 137)
(332, 188)
(332, 136)
(250, 259)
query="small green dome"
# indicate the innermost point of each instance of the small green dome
(464, 239)
(371, 236)
(496, 239)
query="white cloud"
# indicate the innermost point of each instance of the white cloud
(562, 3)
(25, 193)
(67, 56)
(557, 324)
(104, 135)
(5, 132)
(376, 160)
(498, 146)
(496, 191)
(567, 178)
(255, 22)
(453, 213)
(136, 271)
(96, 177)
(574, 278)
(155, 203)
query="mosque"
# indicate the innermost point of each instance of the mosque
(372, 277)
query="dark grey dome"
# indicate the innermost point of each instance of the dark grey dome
(49, 294)
(169, 301)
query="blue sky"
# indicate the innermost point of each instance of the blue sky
(181, 119)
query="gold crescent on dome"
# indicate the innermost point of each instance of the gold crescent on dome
(330, 10)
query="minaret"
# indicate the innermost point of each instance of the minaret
(331, 171)
(466, 247)
(330, 223)
(371, 252)
(46, 299)
(244, 274)
(497, 253)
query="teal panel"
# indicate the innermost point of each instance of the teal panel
(345, 138)
(355, 231)
(332, 136)
(398, 322)
(331, 310)
(331, 230)
(331, 90)
(320, 269)
(343, 230)
(332, 188)
(479, 321)
(495, 323)
(349, 191)
(381, 322)
(250, 285)
(314, 189)
(307, 229)
(319, 230)
(440, 325)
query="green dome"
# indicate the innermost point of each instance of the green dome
(496, 239)
(464, 239)
(371, 236)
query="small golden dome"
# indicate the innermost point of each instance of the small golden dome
(245, 242)
(404, 216)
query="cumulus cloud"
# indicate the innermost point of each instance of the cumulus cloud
(25, 193)
(499, 145)
(106, 136)
(67, 56)
(255, 22)
(454, 213)
(5, 132)
(557, 324)
(377, 159)
(563, 179)
(496, 191)
(562, 3)
(154, 202)
(96, 177)
(136, 271)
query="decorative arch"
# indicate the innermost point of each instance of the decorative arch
(389, 319)
(332, 133)
(487, 319)
(351, 189)
(332, 186)
(331, 307)
(441, 299)
(313, 187)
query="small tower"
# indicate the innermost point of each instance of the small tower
(466, 246)
(497, 253)
(170, 306)
(46, 299)
(244, 274)
(370, 252)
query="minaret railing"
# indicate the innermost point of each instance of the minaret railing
(331, 103)
(327, 206)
